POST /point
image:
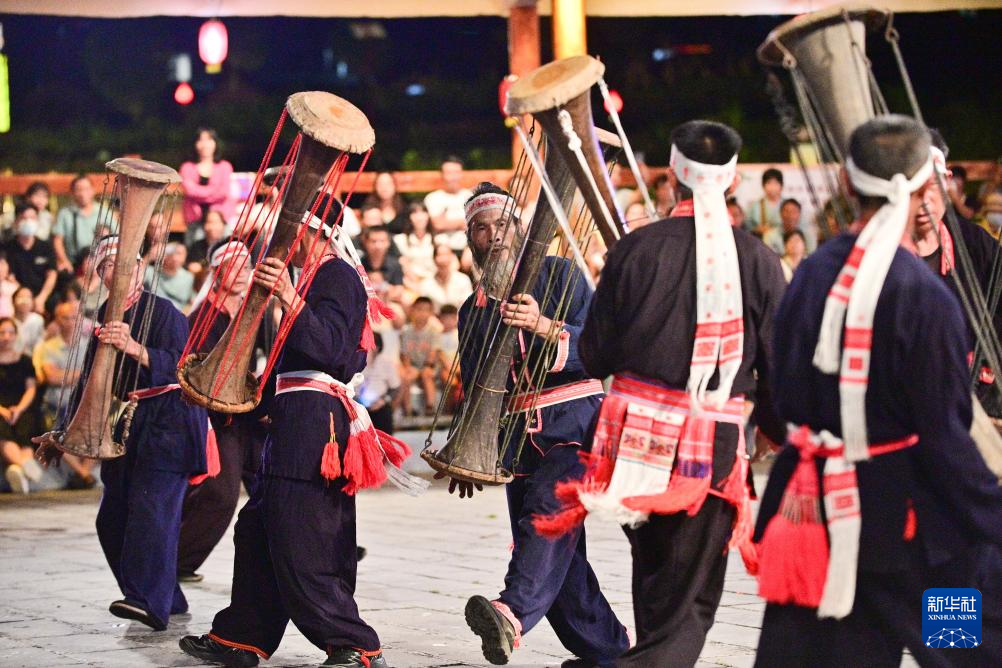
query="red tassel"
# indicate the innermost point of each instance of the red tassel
(396, 450)
(212, 464)
(556, 525)
(379, 310)
(911, 523)
(793, 562)
(330, 463)
(682, 494)
(368, 341)
(363, 462)
(481, 300)
(749, 555)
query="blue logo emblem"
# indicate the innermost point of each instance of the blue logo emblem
(951, 618)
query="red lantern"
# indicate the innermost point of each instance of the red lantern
(184, 94)
(503, 89)
(615, 101)
(213, 45)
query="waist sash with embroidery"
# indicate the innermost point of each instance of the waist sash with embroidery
(371, 456)
(652, 453)
(800, 562)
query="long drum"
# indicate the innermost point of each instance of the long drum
(828, 49)
(140, 185)
(471, 452)
(221, 379)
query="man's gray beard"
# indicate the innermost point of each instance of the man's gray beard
(499, 270)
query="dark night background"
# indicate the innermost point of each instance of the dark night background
(85, 90)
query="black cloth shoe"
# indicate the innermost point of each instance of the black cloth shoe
(189, 576)
(582, 663)
(207, 649)
(349, 657)
(360, 553)
(129, 610)
(497, 635)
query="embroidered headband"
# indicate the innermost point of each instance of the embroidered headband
(230, 250)
(488, 202)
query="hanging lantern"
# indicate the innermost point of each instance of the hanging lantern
(4, 95)
(4, 89)
(184, 94)
(615, 101)
(213, 45)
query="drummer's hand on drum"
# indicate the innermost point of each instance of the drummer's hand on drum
(47, 452)
(465, 488)
(272, 274)
(119, 335)
(523, 311)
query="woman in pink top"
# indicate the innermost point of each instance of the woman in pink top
(206, 181)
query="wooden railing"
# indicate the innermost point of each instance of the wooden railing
(407, 182)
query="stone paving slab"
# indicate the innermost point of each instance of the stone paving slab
(426, 557)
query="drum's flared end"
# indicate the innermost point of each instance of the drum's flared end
(501, 476)
(199, 395)
(106, 449)
(772, 51)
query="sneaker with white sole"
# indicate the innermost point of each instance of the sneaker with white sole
(32, 470)
(16, 478)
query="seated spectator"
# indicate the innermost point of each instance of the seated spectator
(990, 217)
(379, 391)
(447, 285)
(213, 229)
(448, 351)
(736, 212)
(38, 195)
(51, 362)
(664, 196)
(30, 325)
(416, 247)
(18, 421)
(794, 251)
(376, 258)
(418, 356)
(76, 224)
(172, 281)
(90, 285)
(371, 216)
(8, 286)
(206, 182)
(636, 216)
(445, 205)
(763, 215)
(31, 260)
(789, 215)
(389, 201)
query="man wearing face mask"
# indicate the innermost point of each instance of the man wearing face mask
(990, 219)
(31, 260)
(936, 247)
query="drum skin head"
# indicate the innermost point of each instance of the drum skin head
(331, 120)
(144, 170)
(769, 53)
(553, 84)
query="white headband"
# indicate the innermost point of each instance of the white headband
(106, 248)
(230, 250)
(488, 202)
(700, 176)
(894, 189)
(938, 160)
(314, 223)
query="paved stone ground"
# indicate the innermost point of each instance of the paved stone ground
(426, 556)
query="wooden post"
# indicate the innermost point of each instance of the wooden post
(569, 34)
(523, 50)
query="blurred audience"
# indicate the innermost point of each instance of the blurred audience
(418, 356)
(18, 418)
(447, 285)
(763, 214)
(206, 182)
(29, 323)
(38, 196)
(31, 260)
(390, 203)
(445, 205)
(172, 281)
(76, 224)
